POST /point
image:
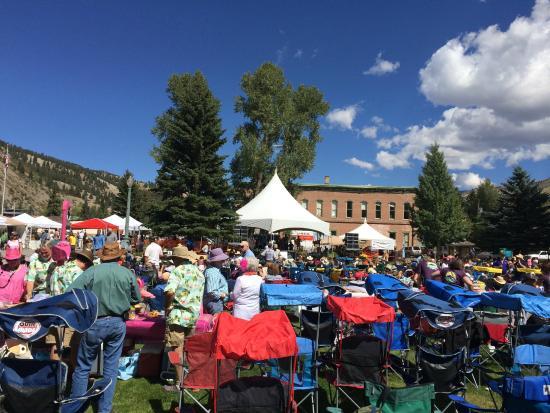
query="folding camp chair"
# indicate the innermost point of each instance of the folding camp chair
(399, 340)
(535, 356)
(35, 385)
(318, 326)
(305, 376)
(268, 335)
(446, 371)
(411, 399)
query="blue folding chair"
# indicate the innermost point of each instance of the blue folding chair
(306, 374)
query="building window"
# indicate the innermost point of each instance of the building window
(378, 211)
(319, 208)
(363, 210)
(334, 209)
(305, 203)
(392, 210)
(407, 211)
(333, 232)
(349, 209)
(392, 235)
(405, 239)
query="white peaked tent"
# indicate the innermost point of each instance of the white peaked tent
(274, 209)
(133, 224)
(378, 241)
(25, 219)
(45, 222)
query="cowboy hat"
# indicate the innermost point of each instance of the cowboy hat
(499, 280)
(110, 251)
(61, 251)
(85, 254)
(217, 254)
(519, 256)
(184, 253)
(12, 254)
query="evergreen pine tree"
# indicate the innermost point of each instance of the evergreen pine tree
(53, 208)
(481, 205)
(85, 211)
(196, 199)
(120, 199)
(439, 217)
(522, 220)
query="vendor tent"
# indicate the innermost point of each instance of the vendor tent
(45, 222)
(120, 222)
(7, 221)
(93, 223)
(275, 209)
(378, 241)
(25, 219)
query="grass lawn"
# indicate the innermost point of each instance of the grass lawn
(140, 395)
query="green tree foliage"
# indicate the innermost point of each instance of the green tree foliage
(85, 211)
(481, 205)
(279, 119)
(53, 208)
(439, 218)
(522, 219)
(195, 197)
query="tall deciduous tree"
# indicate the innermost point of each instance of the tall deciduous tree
(281, 129)
(481, 205)
(439, 217)
(522, 220)
(196, 199)
(53, 208)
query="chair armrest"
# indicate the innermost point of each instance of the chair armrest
(462, 402)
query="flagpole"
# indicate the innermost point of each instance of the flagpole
(6, 157)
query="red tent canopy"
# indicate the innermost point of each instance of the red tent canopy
(94, 223)
(268, 335)
(361, 310)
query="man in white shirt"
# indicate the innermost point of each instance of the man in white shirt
(153, 253)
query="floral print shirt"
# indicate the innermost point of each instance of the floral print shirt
(63, 276)
(38, 272)
(187, 283)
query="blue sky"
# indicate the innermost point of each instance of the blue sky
(84, 81)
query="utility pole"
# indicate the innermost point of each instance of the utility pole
(6, 157)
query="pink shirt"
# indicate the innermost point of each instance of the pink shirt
(12, 285)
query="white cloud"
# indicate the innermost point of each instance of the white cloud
(359, 163)
(298, 54)
(381, 67)
(467, 180)
(497, 84)
(369, 132)
(377, 120)
(343, 117)
(281, 54)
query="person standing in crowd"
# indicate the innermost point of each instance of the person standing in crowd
(455, 274)
(246, 294)
(45, 237)
(72, 241)
(269, 253)
(12, 278)
(14, 242)
(246, 251)
(183, 299)
(206, 247)
(38, 273)
(84, 259)
(64, 273)
(111, 236)
(117, 290)
(216, 289)
(81, 239)
(153, 253)
(99, 241)
(426, 270)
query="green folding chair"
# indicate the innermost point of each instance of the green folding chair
(412, 399)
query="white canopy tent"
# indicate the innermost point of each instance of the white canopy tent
(44, 222)
(378, 240)
(133, 224)
(275, 209)
(26, 219)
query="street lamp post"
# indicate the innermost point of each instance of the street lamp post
(126, 241)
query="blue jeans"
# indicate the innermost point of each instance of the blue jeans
(110, 331)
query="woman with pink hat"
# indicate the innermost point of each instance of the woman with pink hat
(12, 278)
(215, 291)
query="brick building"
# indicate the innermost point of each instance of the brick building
(345, 207)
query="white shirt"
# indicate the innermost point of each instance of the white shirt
(246, 295)
(153, 253)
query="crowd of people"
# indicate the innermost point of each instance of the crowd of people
(210, 280)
